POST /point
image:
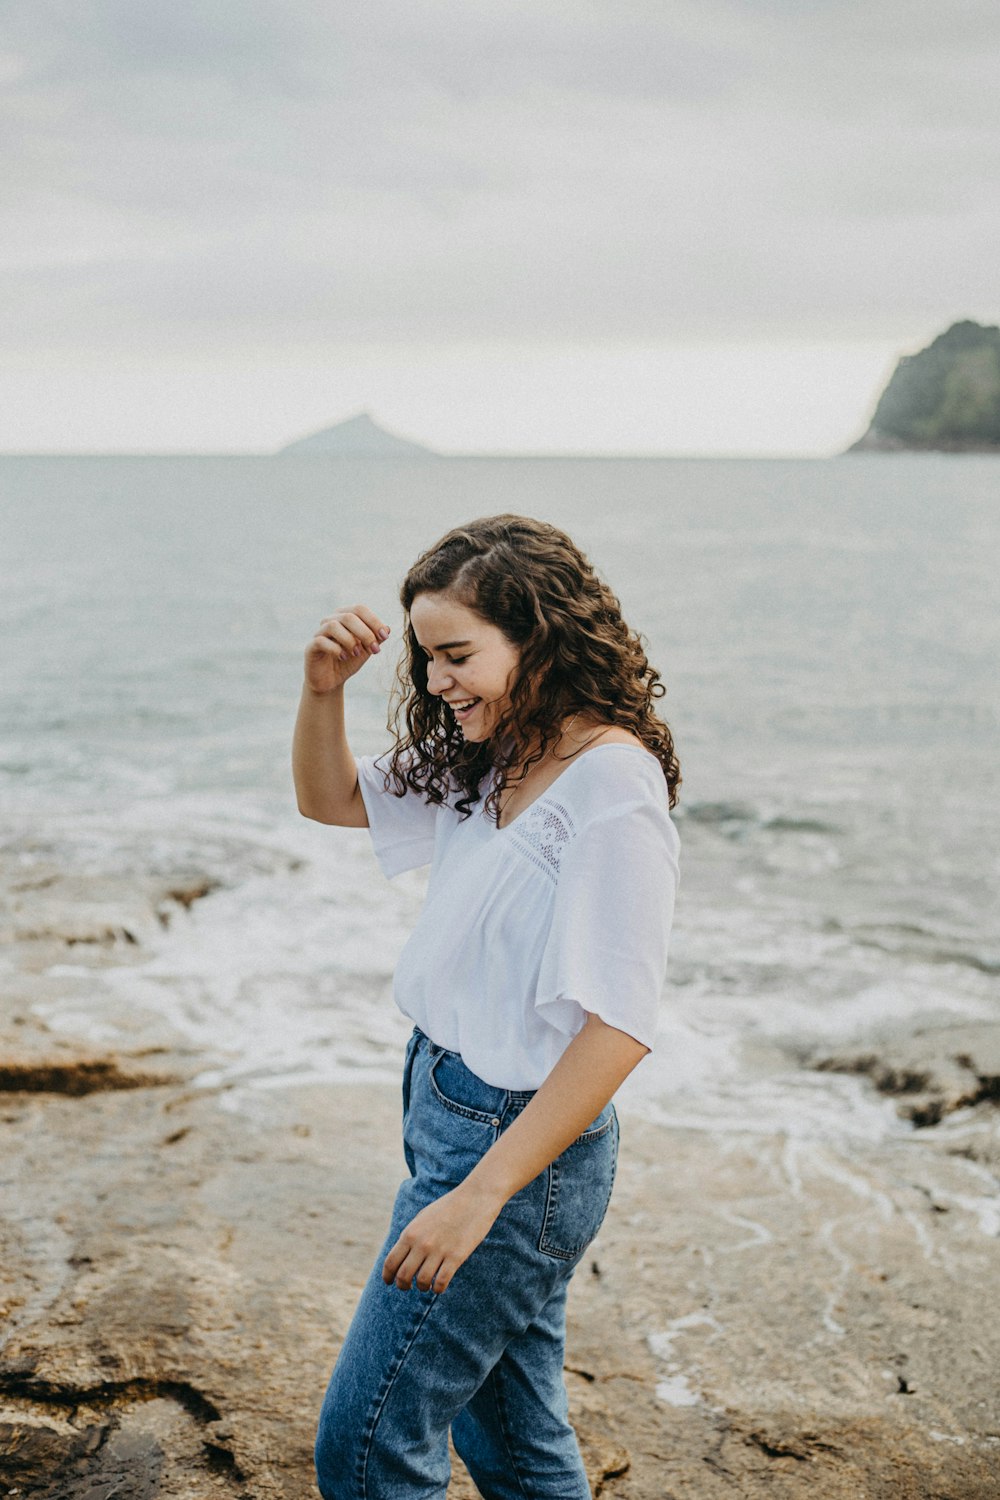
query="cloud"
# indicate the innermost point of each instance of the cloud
(234, 174)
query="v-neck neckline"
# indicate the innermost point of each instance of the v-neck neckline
(611, 745)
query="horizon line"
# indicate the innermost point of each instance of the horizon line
(428, 455)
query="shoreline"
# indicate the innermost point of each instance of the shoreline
(762, 1314)
(756, 1317)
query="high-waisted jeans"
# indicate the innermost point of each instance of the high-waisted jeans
(485, 1357)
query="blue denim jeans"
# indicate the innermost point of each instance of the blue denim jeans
(485, 1357)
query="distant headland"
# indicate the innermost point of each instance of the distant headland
(946, 399)
(358, 437)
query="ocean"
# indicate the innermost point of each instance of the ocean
(829, 634)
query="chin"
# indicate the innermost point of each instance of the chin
(481, 732)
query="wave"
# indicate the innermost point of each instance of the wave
(911, 941)
(734, 818)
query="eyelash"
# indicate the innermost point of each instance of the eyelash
(453, 661)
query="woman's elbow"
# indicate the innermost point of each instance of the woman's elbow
(627, 1046)
(351, 814)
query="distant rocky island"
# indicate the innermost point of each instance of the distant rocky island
(358, 437)
(945, 399)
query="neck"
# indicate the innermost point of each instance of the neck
(571, 738)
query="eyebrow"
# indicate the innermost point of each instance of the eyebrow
(447, 646)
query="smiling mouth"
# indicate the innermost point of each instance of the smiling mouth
(463, 709)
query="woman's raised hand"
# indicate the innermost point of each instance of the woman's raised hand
(343, 643)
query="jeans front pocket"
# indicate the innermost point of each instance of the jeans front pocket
(459, 1119)
(579, 1184)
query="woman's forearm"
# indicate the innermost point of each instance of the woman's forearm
(596, 1062)
(326, 776)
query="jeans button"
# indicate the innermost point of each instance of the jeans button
(495, 1121)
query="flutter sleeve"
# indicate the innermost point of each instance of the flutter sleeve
(606, 951)
(402, 828)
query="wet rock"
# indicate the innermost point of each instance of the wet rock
(35, 1445)
(75, 1077)
(933, 1072)
(184, 895)
(145, 1446)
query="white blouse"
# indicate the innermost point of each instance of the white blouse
(526, 928)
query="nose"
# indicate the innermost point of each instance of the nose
(438, 677)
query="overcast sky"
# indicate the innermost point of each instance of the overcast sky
(556, 225)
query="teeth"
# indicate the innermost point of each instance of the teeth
(467, 704)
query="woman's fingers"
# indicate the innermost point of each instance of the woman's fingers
(408, 1262)
(427, 1265)
(404, 1259)
(377, 627)
(342, 644)
(393, 1261)
(324, 641)
(335, 630)
(355, 628)
(426, 1272)
(438, 1240)
(443, 1274)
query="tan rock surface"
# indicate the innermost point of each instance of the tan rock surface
(761, 1316)
(758, 1317)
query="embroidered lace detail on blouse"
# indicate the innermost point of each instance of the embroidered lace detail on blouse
(542, 833)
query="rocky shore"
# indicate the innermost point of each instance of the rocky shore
(761, 1316)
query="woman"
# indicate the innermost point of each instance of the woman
(532, 774)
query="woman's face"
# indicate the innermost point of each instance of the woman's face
(470, 663)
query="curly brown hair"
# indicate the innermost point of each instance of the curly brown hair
(577, 656)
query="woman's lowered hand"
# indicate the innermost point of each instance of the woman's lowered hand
(440, 1238)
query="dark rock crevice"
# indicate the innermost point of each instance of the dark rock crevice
(802, 1447)
(113, 1444)
(17, 1386)
(75, 1078)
